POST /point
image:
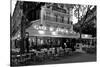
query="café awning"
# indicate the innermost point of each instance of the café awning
(49, 34)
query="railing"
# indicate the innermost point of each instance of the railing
(55, 19)
(49, 15)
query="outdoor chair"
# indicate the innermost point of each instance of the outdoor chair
(48, 54)
(61, 52)
(17, 59)
(23, 58)
(45, 53)
(66, 51)
(14, 59)
(69, 53)
(39, 56)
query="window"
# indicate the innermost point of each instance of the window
(38, 14)
(62, 19)
(56, 17)
(48, 15)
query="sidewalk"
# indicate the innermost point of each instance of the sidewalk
(75, 58)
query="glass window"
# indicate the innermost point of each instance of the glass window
(33, 41)
(56, 17)
(42, 42)
(62, 19)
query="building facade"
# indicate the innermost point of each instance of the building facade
(53, 28)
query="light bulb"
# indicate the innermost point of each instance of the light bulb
(41, 32)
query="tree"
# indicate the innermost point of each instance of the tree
(86, 27)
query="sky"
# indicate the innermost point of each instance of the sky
(13, 2)
(74, 19)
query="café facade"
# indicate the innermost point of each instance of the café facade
(52, 29)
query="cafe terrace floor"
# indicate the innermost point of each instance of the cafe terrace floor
(75, 58)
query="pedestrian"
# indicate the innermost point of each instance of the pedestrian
(27, 41)
(22, 47)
